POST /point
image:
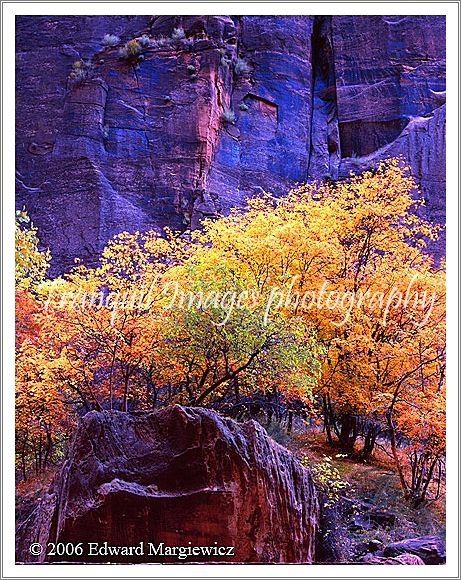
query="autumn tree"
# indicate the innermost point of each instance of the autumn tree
(220, 341)
(31, 263)
(324, 296)
(180, 332)
(40, 415)
(360, 242)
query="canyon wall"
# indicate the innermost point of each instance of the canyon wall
(197, 124)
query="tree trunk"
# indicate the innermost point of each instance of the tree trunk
(348, 432)
(395, 455)
(49, 445)
(369, 442)
(326, 421)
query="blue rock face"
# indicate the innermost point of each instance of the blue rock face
(390, 83)
(192, 126)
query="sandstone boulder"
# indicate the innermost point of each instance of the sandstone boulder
(429, 548)
(178, 476)
(405, 559)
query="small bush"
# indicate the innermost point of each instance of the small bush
(160, 42)
(243, 107)
(131, 50)
(191, 68)
(110, 40)
(327, 479)
(228, 116)
(133, 47)
(178, 34)
(241, 67)
(78, 76)
(144, 41)
(82, 70)
(226, 61)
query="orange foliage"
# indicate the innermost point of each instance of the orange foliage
(236, 310)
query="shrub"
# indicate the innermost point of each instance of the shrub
(131, 50)
(82, 70)
(241, 67)
(327, 479)
(226, 61)
(243, 107)
(160, 42)
(110, 40)
(228, 115)
(133, 47)
(144, 41)
(178, 34)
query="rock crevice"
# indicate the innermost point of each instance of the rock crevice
(325, 154)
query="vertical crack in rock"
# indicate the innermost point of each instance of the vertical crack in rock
(146, 125)
(203, 204)
(211, 137)
(325, 156)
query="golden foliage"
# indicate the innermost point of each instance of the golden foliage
(164, 319)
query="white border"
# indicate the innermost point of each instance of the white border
(10, 10)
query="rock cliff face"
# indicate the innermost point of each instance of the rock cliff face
(181, 477)
(144, 144)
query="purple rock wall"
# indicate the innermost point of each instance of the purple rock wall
(143, 144)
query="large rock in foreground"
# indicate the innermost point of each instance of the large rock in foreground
(403, 559)
(181, 477)
(429, 548)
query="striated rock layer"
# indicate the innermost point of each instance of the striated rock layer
(144, 145)
(178, 476)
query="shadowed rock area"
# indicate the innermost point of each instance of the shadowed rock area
(143, 144)
(177, 475)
